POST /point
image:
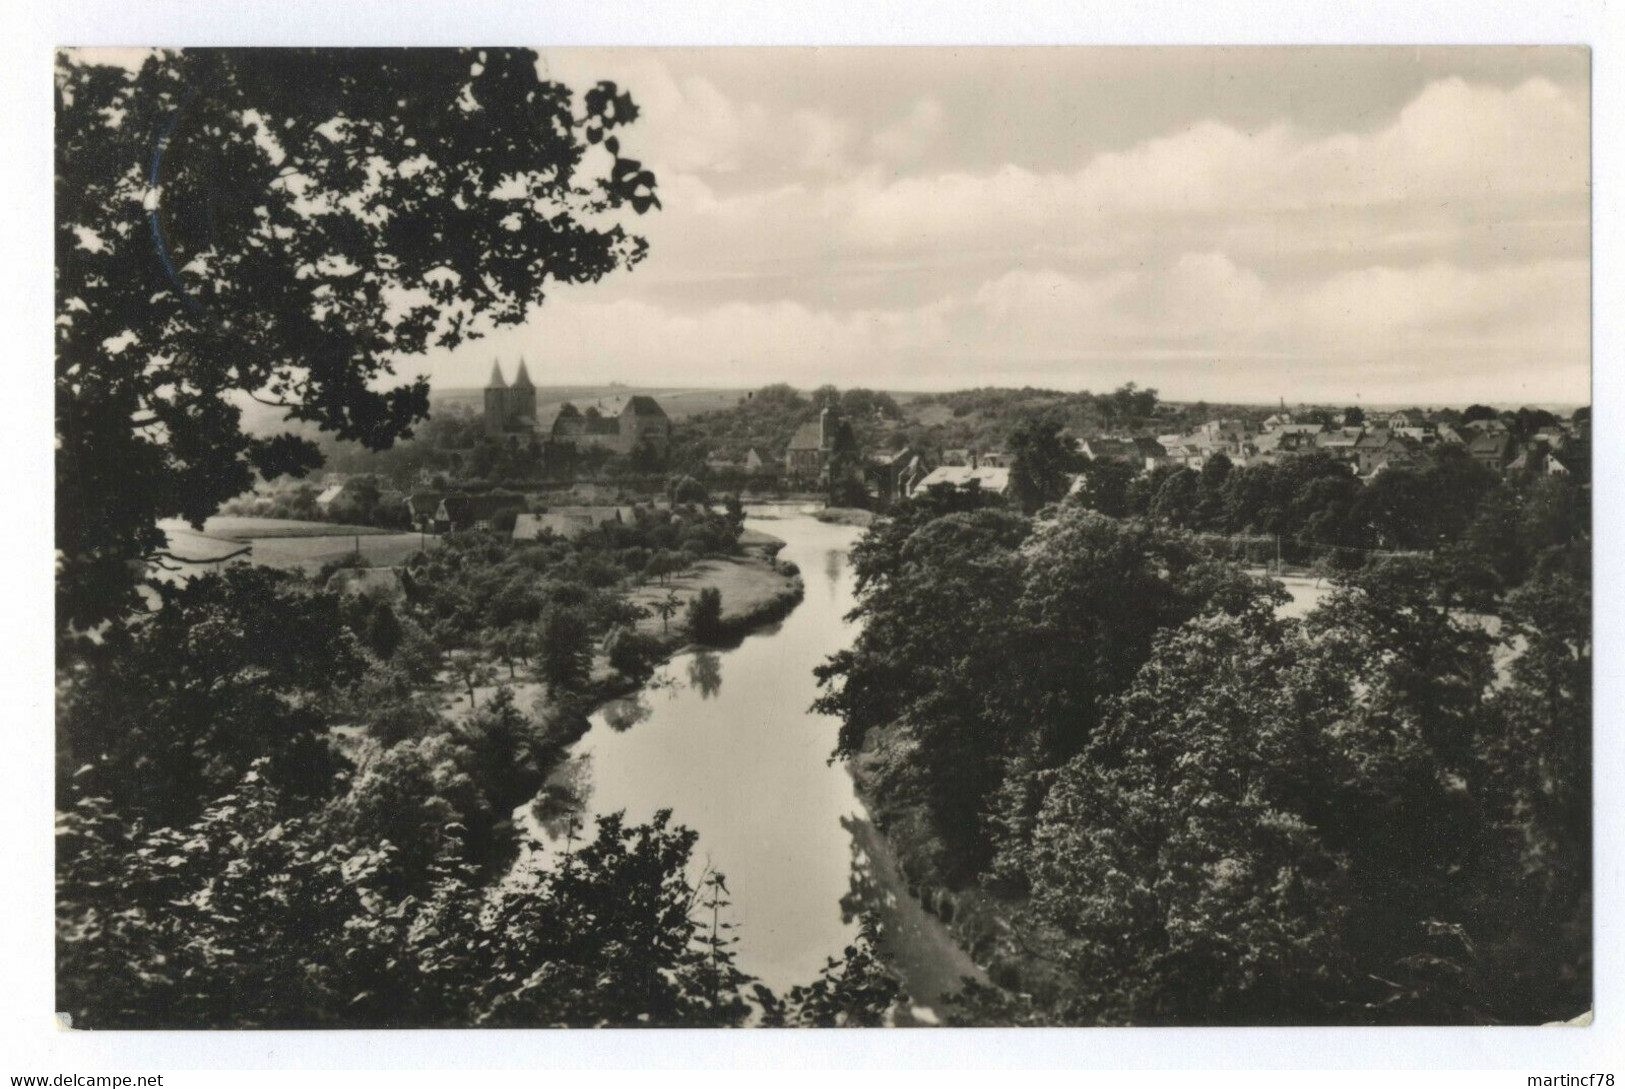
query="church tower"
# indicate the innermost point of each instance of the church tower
(496, 401)
(522, 396)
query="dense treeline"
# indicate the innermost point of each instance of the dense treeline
(766, 419)
(1185, 809)
(1492, 531)
(266, 818)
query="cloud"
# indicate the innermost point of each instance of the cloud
(1223, 331)
(1447, 244)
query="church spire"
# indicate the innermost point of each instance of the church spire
(522, 379)
(496, 381)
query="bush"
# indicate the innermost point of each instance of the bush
(630, 652)
(704, 615)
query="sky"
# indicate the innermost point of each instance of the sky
(1380, 225)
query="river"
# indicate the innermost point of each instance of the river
(727, 741)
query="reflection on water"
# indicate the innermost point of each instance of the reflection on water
(558, 807)
(705, 672)
(834, 566)
(623, 714)
(746, 766)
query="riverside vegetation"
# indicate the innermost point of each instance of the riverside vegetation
(1143, 797)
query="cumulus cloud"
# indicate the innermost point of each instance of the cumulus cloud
(1443, 249)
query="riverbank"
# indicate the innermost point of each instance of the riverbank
(975, 919)
(756, 591)
(846, 516)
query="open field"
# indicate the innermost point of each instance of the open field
(747, 586)
(276, 542)
(309, 553)
(242, 528)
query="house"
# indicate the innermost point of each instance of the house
(422, 506)
(1492, 449)
(329, 495)
(1278, 420)
(1393, 454)
(1109, 449)
(957, 455)
(1370, 448)
(891, 477)
(721, 463)
(1554, 437)
(992, 479)
(620, 427)
(1531, 459)
(457, 513)
(1340, 442)
(1491, 426)
(814, 444)
(994, 459)
(568, 523)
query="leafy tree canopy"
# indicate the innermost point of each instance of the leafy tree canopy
(286, 225)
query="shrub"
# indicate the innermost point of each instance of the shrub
(704, 615)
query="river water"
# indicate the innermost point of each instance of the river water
(727, 741)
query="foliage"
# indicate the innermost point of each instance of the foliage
(1042, 466)
(220, 236)
(234, 667)
(988, 646)
(565, 658)
(1330, 834)
(704, 616)
(855, 990)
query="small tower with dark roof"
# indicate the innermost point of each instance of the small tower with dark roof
(496, 401)
(521, 397)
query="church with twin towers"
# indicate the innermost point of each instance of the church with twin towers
(622, 426)
(509, 407)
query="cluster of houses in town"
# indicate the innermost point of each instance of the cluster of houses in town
(824, 447)
(1368, 447)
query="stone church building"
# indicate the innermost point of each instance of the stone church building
(640, 421)
(509, 408)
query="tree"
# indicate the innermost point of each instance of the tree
(1040, 472)
(237, 224)
(233, 667)
(1475, 413)
(1105, 487)
(1353, 416)
(471, 670)
(565, 658)
(384, 632)
(629, 651)
(666, 608)
(704, 617)
(688, 490)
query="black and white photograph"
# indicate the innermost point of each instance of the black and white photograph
(846, 537)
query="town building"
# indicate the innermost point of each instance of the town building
(568, 523)
(814, 444)
(1492, 449)
(634, 422)
(995, 480)
(889, 478)
(457, 512)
